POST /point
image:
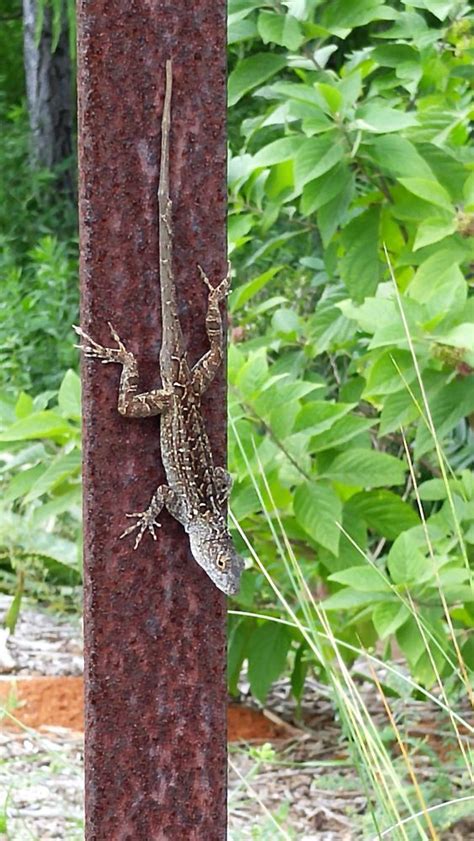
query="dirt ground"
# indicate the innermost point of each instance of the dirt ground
(58, 702)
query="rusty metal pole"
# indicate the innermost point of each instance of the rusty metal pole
(154, 623)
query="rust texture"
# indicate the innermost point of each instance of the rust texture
(154, 623)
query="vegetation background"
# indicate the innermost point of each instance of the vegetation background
(351, 360)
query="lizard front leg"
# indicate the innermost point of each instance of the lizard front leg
(130, 404)
(163, 497)
(205, 368)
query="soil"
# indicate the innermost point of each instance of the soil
(58, 701)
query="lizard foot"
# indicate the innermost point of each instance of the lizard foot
(145, 520)
(219, 292)
(106, 354)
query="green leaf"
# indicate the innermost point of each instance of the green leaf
(334, 212)
(251, 72)
(378, 117)
(69, 396)
(388, 617)
(24, 405)
(13, 612)
(406, 563)
(284, 149)
(366, 467)
(359, 267)
(63, 467)
(22, 482)
(321, 190)
(320, 415)
(253, 373)
(282, 29)
(318, 509)
(429, 190)
(461, 336)
(384, 512)
(451, 403)
(340, 16)
(346, 599)
(361, 578)
(398, 156)
(268, 649)
(343, 430)
(389, 373)
(316, 156)
(38, 425)
(433, 230)
(240, 296)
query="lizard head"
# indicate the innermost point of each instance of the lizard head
(211, 546)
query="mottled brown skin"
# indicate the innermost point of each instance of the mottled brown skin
(197, 491)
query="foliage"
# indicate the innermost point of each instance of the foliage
(355, 157)
(38, 267)
(40, 460)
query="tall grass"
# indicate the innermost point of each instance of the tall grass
(401, 805)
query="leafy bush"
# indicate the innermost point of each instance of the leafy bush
(355, 160)
(38, 267)
(40, 461)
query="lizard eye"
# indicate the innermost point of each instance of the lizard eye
(221, 563)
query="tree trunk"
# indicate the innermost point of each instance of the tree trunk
(49, 92)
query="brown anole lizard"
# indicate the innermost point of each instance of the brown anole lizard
(197, 491)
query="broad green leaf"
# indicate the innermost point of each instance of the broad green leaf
(240, 30)
(390, 372)
(447, 406)
(24, 405)
(267, 652)
(278, 28)
(406, 563)
(446, 290)
(284, 149)
(468, 192)
(251, 72)
(64, 502)
(369, 468)
(340, 17)
(388, 617)
(384, 512)
(316, 156)
(240, 296)
(69, 396)
(63, 467)
(330, 97)
(380, 118)
(365, 579)
(21, 482)
(253, 374)
(346, 599)
(318, 510)
(461, 336)
(320, 415)
(38, 425)
(399, 156)
(334, 212)
(429, 190)
(321, 190)
(286, 322)
(343, 430)
(359, 267)
(434, 229)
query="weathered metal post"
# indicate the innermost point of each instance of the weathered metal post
(154, 623)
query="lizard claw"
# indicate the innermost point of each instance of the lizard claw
(146, 520)
(95, 351)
